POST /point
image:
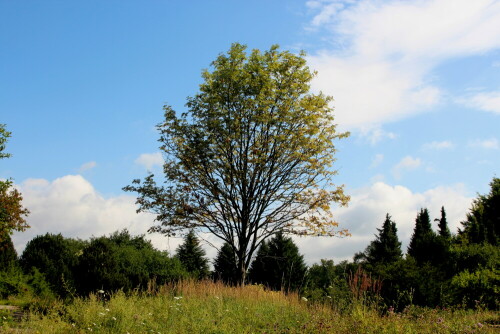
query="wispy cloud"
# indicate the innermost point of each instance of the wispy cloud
(486, 101)
(491, 143)
(438, 145)
(150, 160)
(377, 160)
(87, 166)
(383, 69)
(408, 163)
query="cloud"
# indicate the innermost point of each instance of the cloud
(366, 212)
(406, 164)
(87, 166)
(71, 206)
(491, 144)
(438, 145)
(486, 101)
(375, 134)
(380, 60)
(150, 160)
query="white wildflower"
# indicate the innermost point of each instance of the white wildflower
(304, 299)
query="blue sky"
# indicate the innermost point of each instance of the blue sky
(417, 83)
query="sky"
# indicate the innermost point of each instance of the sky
(83, 83)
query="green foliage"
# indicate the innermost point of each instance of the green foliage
(252, 155)
(121, 261)
(192, 256)
(478, 288)
(54, 256)
(386, 247)
(8, 254)
(12, 212)
(4, 137)
(279, 265)
(423, 245)
(225, 266)
(444, 231)
(483, 219)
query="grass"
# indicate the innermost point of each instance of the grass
(207, 307)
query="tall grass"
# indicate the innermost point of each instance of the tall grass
(208, 307)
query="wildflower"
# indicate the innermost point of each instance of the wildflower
(107, 309)
(100, 313)
(480, 325)
(329, 297)
(178, 297)
(90, 329)
(304, 299)
(113, 318)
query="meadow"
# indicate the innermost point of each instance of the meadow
(210, 307)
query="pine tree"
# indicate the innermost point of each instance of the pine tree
(422, 245)
(278, 264)
(192, 256)
(225, 266)
(444, 231)
(386, 247)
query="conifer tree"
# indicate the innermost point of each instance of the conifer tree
(423, 241)
(8, 254)
(278, 264)
(386, 247)
(192, 256)
(225, 266)
(444, 231)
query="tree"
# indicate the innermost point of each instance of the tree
(444, 231)
(423, 241)
(251, 156)
(386, 247)
(225, 266)
(12, 212)
(8, 254)
(483, 220)
(278, 264)
(192, 256)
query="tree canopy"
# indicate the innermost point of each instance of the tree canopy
(12, 213)
(252, 155)
(386, 247)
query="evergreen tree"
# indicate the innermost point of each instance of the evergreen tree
(483, 221)
(444, 231)
(386, 247)
(8, 254)
(225, 266)
(278, 264)
(192, 256)
(423, 241)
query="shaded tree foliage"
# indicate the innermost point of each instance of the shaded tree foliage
(483, 220)
(251, 156)
(278, 264)
(192, 256)
(386, 247)
(8, 254)
(423, 240)
(225, 266)
(56, 258)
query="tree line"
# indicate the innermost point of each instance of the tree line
(439, 268)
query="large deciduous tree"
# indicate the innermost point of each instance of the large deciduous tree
(12, 213)
(251, 156)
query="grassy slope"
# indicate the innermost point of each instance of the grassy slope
(207, 307)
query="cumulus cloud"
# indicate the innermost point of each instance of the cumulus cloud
(366, 212)
(438, 145)
(381, 56)
(491, 144)
(70, 205)
(150, 160)
(406, 164)
(87, 166)
(486, 101)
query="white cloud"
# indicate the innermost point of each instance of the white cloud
(491, 143)
(382, 70)
(486, 101)
(71, 206)
(406, 164)
(366, 212)
(376, 134)
(438, 145)
(150, 160)
(377, 160)
(87, 166)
